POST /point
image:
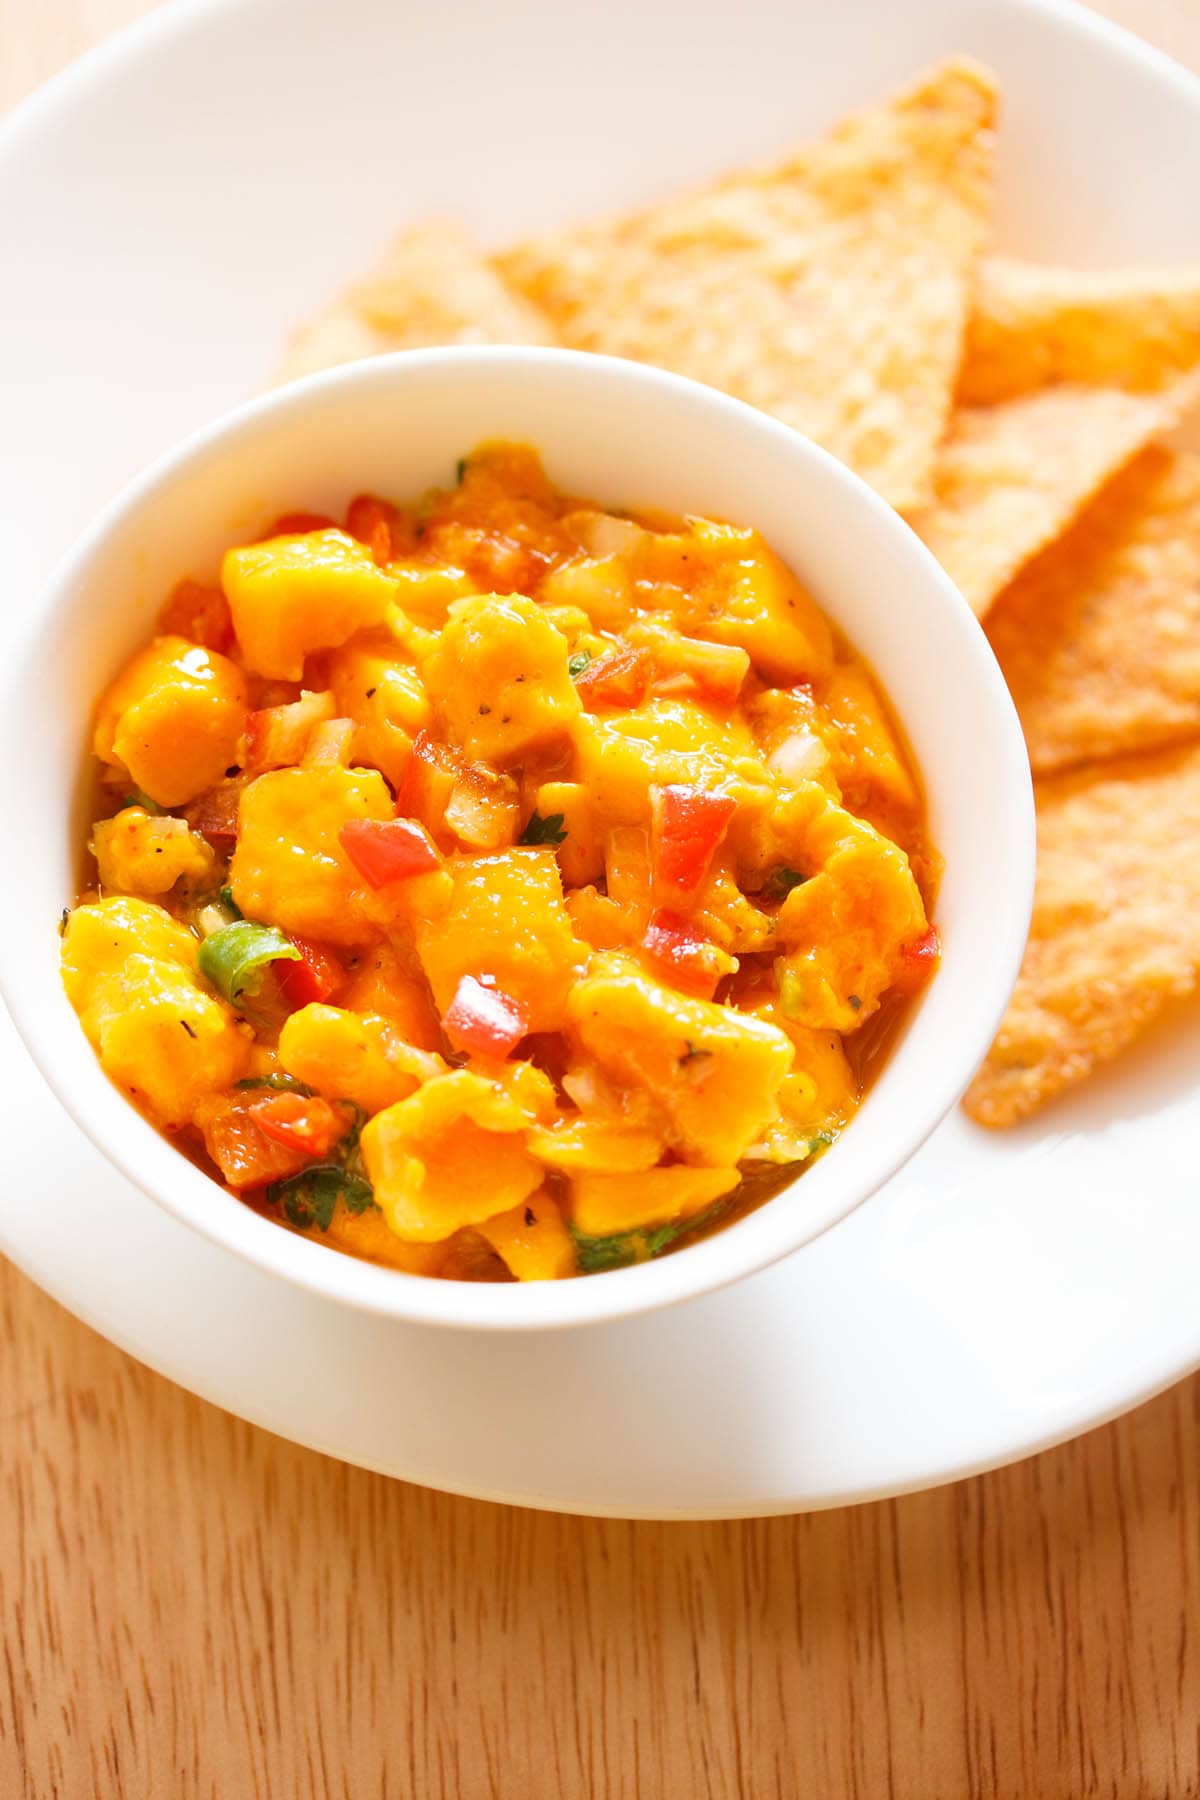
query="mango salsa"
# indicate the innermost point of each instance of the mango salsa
(518, 884)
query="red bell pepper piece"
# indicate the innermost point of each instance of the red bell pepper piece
(688, 825)
(919, 959)
(482, 1019)
(215, 815)
(387, 850)
(277, 736)
(300, 1121)
(682, 950)
(619, 678)
(429, 779)
(374, 523)
(315, 977)
(295, 524)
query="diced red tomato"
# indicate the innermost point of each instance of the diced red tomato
(242, 1151)
(429, 780)
(200, 614)
(387, 850)
(277, 736)
(215, 815)
(377, 524)
(482, 1020)
(619, 678)
(295, 524)
(688, 825)
(316, 977)
(300, 1122)
(682, 950)
(919, 959)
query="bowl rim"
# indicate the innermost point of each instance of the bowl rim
(695, 1270)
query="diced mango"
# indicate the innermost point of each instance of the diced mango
(353, 1056)
(868, 762)
(596, 1145)
(499, 679)
(128, 970)
(290, 596)
(845, 929)
(607, 1205)
(173, 718)
(507, 920)
(289, 867)
(532, 1239)
(428, 589)
(141, 853)
(747, 596)
(368, 1236)
(581, 851)
(386, 698)
(715, 1073)
(621, 755)
(389, 983)
(450, 1155)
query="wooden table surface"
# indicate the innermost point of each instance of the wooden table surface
(189, 1607)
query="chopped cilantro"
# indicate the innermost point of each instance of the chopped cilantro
(310, 1197)
(780, 882)
(626, 1247)
(549, 830)
(278, 1083)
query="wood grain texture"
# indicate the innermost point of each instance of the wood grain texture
(192, 1609)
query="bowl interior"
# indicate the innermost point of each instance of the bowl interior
(625, 436)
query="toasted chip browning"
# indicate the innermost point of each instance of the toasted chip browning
(1137, 329)
(1099, 639)
(1115, 932)
(430, 287)
(829, 289)
(1011, 478)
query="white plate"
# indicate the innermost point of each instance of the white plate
(166, 209)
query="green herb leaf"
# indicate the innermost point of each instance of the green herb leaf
(138, 798)
(236, 957)
(549, 830)
(780, 882)
(225, 896)
(578, 663)
(310, 1197)
(627, 1247)
(279, 1084)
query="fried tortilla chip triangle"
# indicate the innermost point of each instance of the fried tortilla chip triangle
(1115, 932)
(1099, 640)
(1011, 478)
(1029, 326)
(431, 287)
(829, 289)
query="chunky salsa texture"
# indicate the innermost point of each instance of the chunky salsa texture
(498, 886)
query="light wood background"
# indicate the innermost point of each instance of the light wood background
(192, 1609)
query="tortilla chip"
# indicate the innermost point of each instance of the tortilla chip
(1010, 478)
(1137, 329)
(1116, 927)
(432, 287)
(1099, 640)
(830, 289)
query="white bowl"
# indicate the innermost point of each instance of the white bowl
(625, 435)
